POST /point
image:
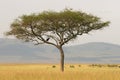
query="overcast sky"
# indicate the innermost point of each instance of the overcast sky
(107, 10)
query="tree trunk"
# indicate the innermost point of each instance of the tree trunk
(62, 59)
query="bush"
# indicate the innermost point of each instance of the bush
(71, 66)
(96, 65)
(112, 65)
(53, 66)
(79, 65)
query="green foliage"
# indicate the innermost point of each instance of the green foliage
(61, 27)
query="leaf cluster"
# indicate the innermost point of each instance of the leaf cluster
(60, 27)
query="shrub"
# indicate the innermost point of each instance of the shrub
(53, 66)
(79, 65)
(112, 65)
(71, 66)
(96, 65)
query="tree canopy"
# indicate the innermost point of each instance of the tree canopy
(59, 27)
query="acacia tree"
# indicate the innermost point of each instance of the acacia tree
(55, 28)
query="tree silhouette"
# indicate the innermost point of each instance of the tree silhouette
(55, 28)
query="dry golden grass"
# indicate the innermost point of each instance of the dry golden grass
(47, 72)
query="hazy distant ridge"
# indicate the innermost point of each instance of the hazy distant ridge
(14, 51)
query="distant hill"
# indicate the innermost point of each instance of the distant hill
(14, 51)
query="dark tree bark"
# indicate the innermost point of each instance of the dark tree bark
(62, 59)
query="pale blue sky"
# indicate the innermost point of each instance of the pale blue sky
(108, 10)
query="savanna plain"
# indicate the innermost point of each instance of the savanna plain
(52, 72)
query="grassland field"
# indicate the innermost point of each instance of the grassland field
(52, 72)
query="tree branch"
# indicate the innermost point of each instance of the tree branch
(40, 37)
